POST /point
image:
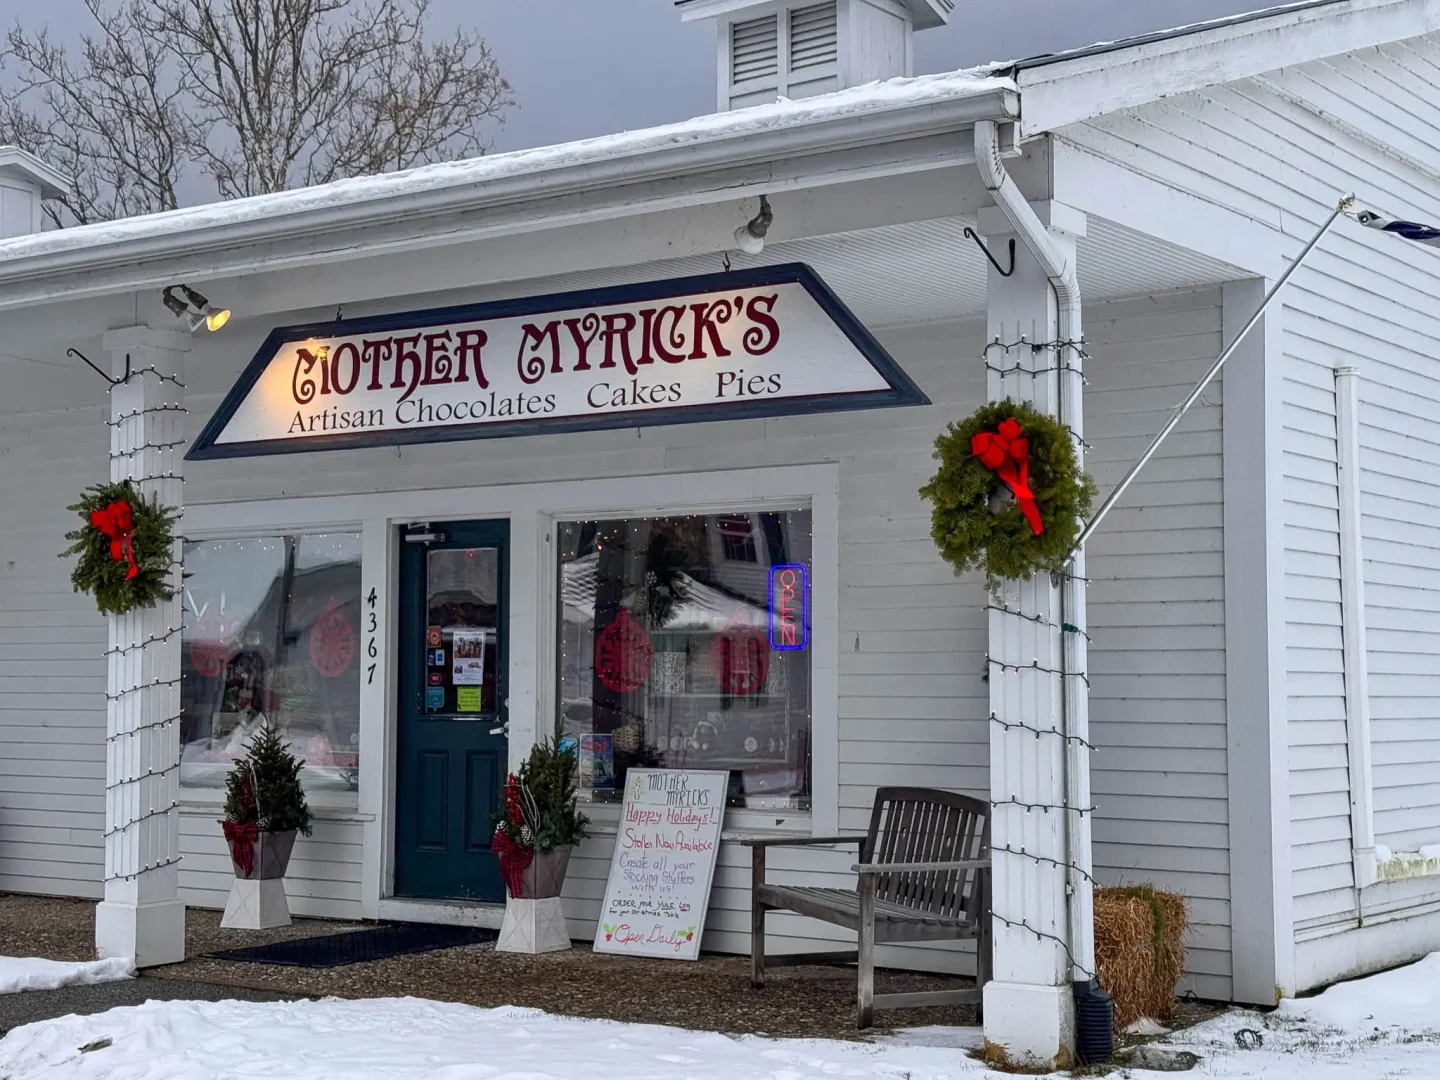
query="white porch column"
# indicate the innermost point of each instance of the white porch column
(141, 915)
(1029, 1007)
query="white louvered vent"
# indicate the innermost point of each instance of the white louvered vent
(755, 49)
(814, 36)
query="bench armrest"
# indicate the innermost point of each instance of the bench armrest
(802, 841)
(905, 867)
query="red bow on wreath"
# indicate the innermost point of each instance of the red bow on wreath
(1005, 453)
(115, 522)
(241, 839)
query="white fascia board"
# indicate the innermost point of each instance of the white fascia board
(680, 159)
(925, 13)
(695, 10)
(1069, 91)
(27, 167)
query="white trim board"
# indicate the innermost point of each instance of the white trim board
(1261, 917)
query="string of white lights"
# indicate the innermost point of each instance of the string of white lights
(132, 732)
(1064, 365)
(1015, 725)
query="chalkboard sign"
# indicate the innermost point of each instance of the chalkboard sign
(664, 861)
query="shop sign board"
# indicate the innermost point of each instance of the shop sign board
(769, 341)
(664, 863)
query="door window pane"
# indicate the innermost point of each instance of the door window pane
(272, 631)
(462, 612)
(684, 643)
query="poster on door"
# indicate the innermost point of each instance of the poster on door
(664, 863)
(468, 650)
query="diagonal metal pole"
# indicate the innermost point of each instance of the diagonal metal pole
(1184, 407)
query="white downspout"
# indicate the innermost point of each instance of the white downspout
(1075, 723)
(1352, 624)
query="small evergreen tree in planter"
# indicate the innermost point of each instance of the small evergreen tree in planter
(535, 833)
(264, 808)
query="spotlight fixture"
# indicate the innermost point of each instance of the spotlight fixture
(194, 311)
(750, 237)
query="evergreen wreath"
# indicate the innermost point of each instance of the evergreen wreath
(1020, 509)
(125, 548)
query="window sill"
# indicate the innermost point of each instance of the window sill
(323, 806)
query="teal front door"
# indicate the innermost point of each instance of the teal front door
(452, 748)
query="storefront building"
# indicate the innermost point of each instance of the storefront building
(523, 441)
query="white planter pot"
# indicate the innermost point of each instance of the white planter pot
(533, 926)
(257, 900)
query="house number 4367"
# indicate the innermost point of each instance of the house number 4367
(372, 624)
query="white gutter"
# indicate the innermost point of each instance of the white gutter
(1075, 721)
(678, 158)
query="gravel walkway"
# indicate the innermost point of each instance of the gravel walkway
(713, 993)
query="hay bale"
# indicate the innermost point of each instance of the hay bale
(1138, 951)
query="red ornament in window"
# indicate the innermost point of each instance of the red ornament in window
(623, 653)
(332, 644)
(211, 643)
(740, 659)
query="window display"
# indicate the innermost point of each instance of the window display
(272, 632)
(684, 644)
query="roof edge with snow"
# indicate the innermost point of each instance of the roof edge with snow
(860, 116)
(1071, 87)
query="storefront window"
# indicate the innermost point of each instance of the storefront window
(272, 632)
(684, 643)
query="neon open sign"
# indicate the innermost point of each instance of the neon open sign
(789, 607)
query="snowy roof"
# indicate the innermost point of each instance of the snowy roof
(1060, 89)
(521, 174)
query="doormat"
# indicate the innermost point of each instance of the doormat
(360, 946)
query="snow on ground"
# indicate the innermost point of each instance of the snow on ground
(26, 973)
(1385, 1025)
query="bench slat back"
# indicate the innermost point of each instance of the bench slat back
(926, 825)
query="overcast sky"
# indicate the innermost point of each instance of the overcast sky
(588, 67)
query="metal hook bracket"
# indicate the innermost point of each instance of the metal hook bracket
(973, 235)
(92, 367)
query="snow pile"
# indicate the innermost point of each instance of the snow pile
(1407, 999)
(408, 1038)
(1382, 1025)
(1386, 1025)
(24, 973)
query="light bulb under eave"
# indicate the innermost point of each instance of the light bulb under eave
(215, 317)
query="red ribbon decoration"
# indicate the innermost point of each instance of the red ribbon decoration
(115, 522)
(1005, 453)
(241, 839)
(514, 859)
(513, 862)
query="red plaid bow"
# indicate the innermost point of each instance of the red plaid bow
(115, 522)
(241, 839)
(1005, 453)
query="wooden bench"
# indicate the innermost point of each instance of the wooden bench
(924, 875)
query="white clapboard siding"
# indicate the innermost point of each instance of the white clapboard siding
(52, 672)
(323, 880)
(1157, 618)
(1267, 148)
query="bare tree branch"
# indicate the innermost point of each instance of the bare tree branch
(257, 95)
